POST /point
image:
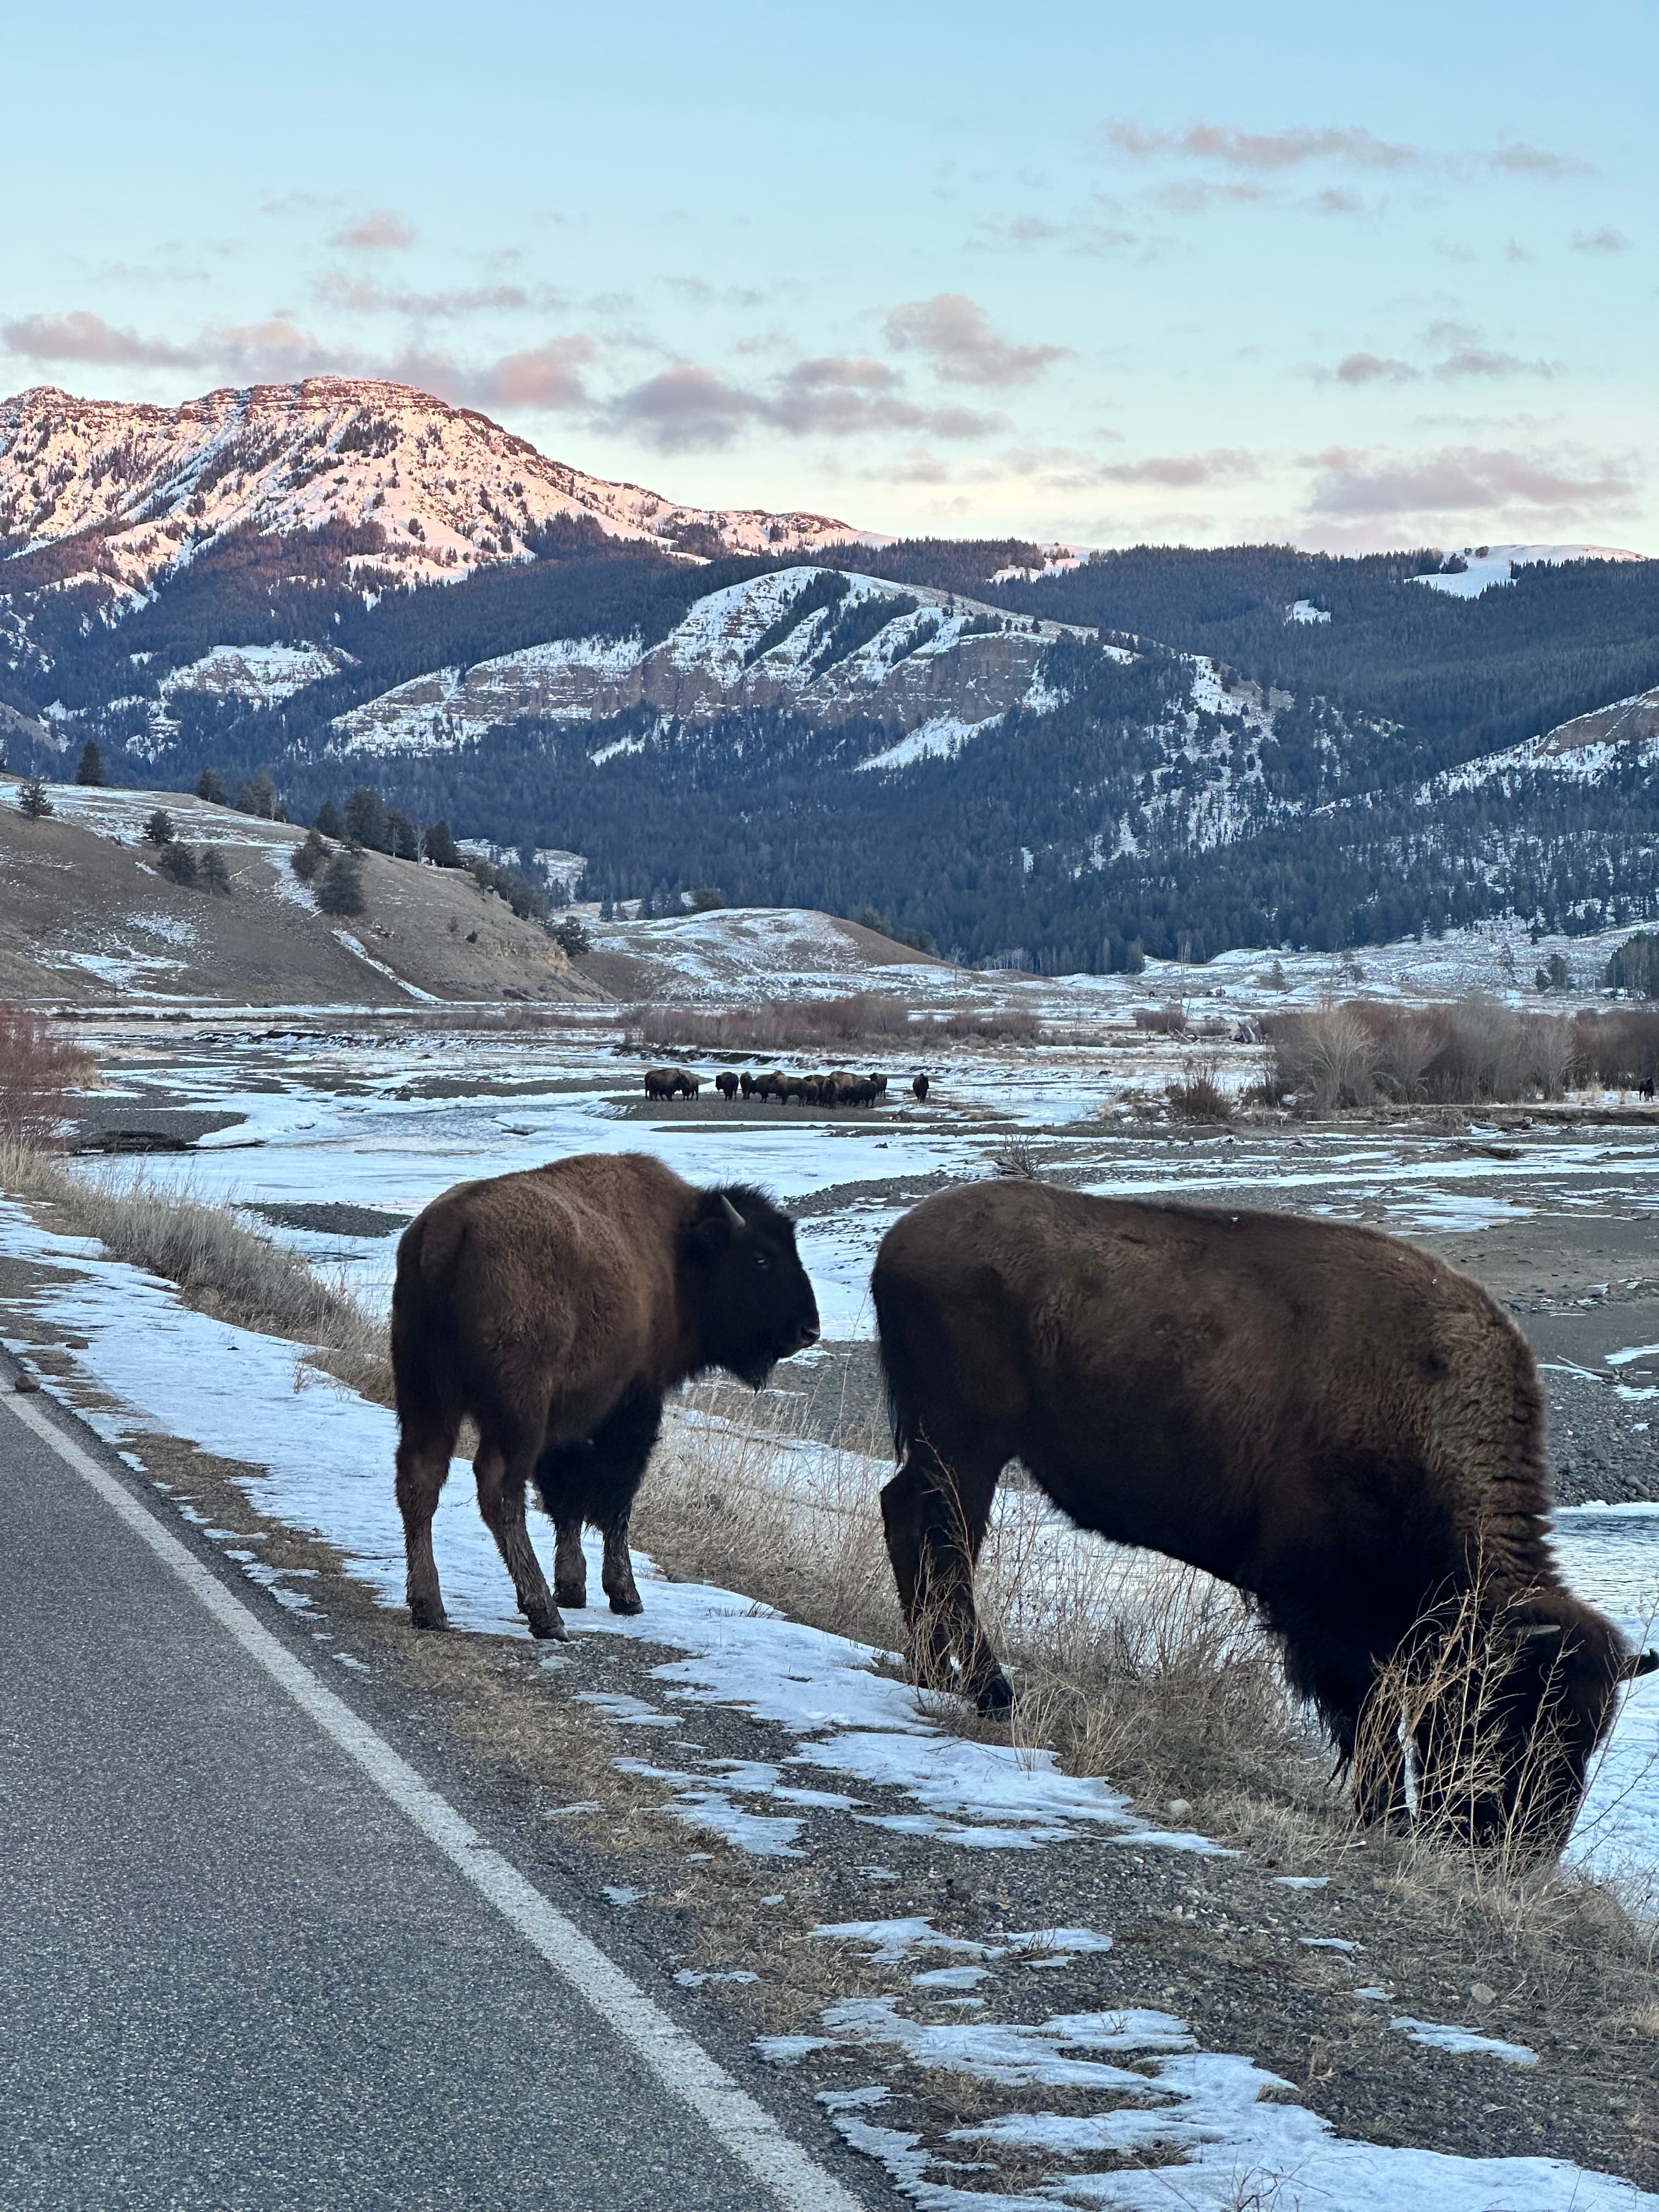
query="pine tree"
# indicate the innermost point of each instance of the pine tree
(33, 800)
(89, 769)
(340, 891)
(211, 786)
(159, 830)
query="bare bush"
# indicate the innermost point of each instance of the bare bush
(1620, 1050)
(1476, 1052)
(1198, 1095)
(1167, 1020)
(797, 1024)
(38, 1070)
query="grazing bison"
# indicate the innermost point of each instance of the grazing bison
(726, 1084)
(557, 1307)
(919, 1088)
(661, 1082)
(686, 1085)
(1327, 1418)
(746, 1083)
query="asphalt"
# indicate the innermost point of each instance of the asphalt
(231, 1974)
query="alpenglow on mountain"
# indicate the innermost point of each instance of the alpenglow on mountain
(1018, 755)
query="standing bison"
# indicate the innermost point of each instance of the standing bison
(556, 1307)
(919, 1087)
(726, 1084)
(1339, 1425)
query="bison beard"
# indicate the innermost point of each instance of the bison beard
(556, 1307)
(1340, 1425)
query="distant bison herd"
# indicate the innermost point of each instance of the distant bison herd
(837, 1088)
(1340, 1426)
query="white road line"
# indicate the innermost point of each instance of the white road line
(680, 2063)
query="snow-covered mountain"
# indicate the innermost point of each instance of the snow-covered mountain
(922, 656)
(147, 488)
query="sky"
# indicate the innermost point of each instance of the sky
(1096, 274)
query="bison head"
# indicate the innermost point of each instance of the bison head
(753, 1303)
(1509, 1769)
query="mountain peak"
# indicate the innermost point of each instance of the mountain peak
(443, 489)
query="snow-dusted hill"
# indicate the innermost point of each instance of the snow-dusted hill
(447, 489)
(1485, 565)
(934, 658)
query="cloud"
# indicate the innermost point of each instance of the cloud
(1482, 361)
(1518, 159)
(381, 231)
(1193, 195)
(1332, 201)
(1375, 369)
(544, 379)
(1016, 231)
(1180, 470)
(689, 407)
(954, 334)
(81, 337)
(1604, 240)
(1463, 483)
(365, 296)
(1262, 152)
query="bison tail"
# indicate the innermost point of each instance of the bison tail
(422, 1325)
(901, 1373)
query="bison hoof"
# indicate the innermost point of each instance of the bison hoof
(994, 1696)
(627, 1602)
(547, 1627)
(428, 1616)
(573, 1595)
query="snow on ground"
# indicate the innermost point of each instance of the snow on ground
(941, 738)
(1490, 565)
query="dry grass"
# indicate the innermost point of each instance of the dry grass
(38, 1070)
(221, 1266)
(1167, 1020)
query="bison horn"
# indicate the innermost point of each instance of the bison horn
(731, 1213)
(1539, 1629)
(1640, 1663)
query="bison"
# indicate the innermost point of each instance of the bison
(726, 1084)
(746, 1083)
(557, 1307)
(1337, 1424)
(661, 1082)
(919, 1087)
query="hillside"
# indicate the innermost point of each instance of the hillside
(1024, 759)
(86, 917)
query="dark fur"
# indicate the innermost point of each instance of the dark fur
(1318, 1414)
(556, 1307)
(919, 1086)
(726, 1084)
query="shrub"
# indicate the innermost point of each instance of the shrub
(1619, 1048)
(1198, 1095)
(308, 860)
(38, 1070)
(340, 888)
(707, 899)
(178, 862)
(211, 786)
(215, 875)
(1167, 1020)
(572, 934)
(33, 800)
(330, 820)
(1553, 975)
(159, 830)
(1477, 1052)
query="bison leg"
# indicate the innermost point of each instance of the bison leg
(934, 1519)
(622, 1445)
(501, 1501)
(569, 1566)
(563, 1476)
(422, 1470)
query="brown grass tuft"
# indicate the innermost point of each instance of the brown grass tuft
(38, 1070)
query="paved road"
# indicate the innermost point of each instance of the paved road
(232, 1973)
